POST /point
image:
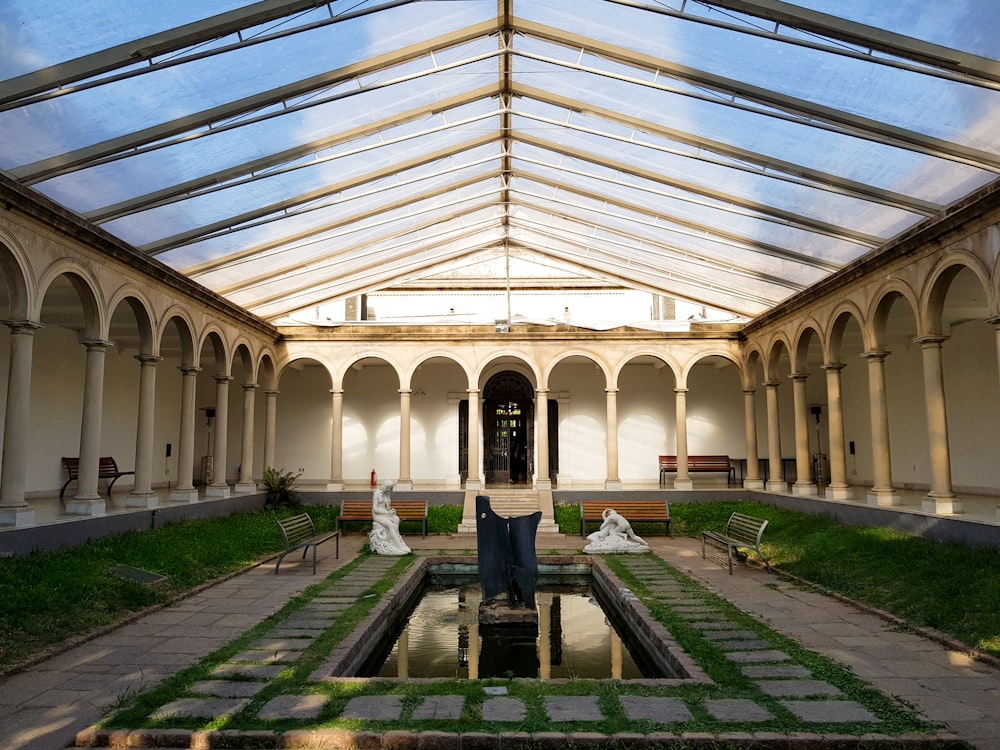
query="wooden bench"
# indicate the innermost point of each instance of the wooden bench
(361, 511)
(742, 531)
(699, 464)
(633, 511)
(107, 468)
(300, 533)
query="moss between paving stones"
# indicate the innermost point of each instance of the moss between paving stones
(654, 581)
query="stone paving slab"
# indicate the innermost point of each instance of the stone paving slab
(282, 644)
(254, 671)
(200, 708)
(573, 708)
(797, 688)
(267, 657)
(293, 707)
(756, 671)
(659, 710)
(374, 708)
(737, 709)
(830, 712)
(504, 709)
(228, 688)
(729, 635)
(440, 707)
(742, 645)
(743, 657)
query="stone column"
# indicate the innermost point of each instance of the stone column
(185, 491)
(474, 479)
(941, 498)
(270, 426)
(14, 510)
(683, 480)
(804, 484)
(542, 479)
(776, 471)
(405, 481)
(219, 487)
(244, 483)
(87, 501)
(882, 492)
(752, 481)
(142, 495)
(838, 488)
(613, 482)
(336, 483)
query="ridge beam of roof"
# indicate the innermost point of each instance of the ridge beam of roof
(289, 242)
(852, 32)
(768, 166)
(864, 127)
(157, 135)
(222, 179)
(330, 259)
(765, 211)
(663, 222)
(238, 221)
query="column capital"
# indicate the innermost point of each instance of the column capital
(220, 379)
(23, 326)
(799, 377)
(189, 369)
(541, 391)
(680, 390)
(148, 359)
(772, 384)
(274, 392)
(405, 391)
(611, 391)
(932, 341)
(473, 391)
(995, 321)
(831, 366)
(93, 345)
(749, 391)
(250, 386)
(876, 356)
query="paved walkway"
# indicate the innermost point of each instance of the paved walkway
(43, 708)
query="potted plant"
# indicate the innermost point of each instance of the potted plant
(280, 489)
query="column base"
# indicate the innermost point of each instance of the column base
(404, 485)
(335, 485)
(217, 490)
(838, 492)
(804, 488)
(184, 495)
(543, 484)
(777, 485)
(142, 500)
(683, 484)
(85, 506)
(473, 484)
(753, 484)
(886, 498)
(18, 517)
(945, 506)
(613, 484)
(245, 488)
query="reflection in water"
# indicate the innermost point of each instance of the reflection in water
(443, 638)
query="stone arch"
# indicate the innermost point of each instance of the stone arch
(807, 331)
(87, 292)
(178, 317)
(213, 338)
(937, 285)
(15, 274)
(610, 374)
(139, 304)
(424, 357)
(841, 316)
(882, 302)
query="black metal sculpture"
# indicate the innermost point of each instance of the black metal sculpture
(507, 560)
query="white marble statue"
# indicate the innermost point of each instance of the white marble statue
(384, 538)
(615, 535)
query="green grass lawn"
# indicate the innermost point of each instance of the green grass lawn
(49, 598)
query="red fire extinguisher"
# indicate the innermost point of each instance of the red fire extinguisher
(374, 478)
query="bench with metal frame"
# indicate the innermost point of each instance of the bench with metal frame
(107, 468)
(742, 532)
(300, 533)
(698, 464)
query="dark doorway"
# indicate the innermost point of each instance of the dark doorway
(508, 430)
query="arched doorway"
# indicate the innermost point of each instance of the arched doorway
(508, 429)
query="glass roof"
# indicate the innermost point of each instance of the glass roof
(289, 154)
